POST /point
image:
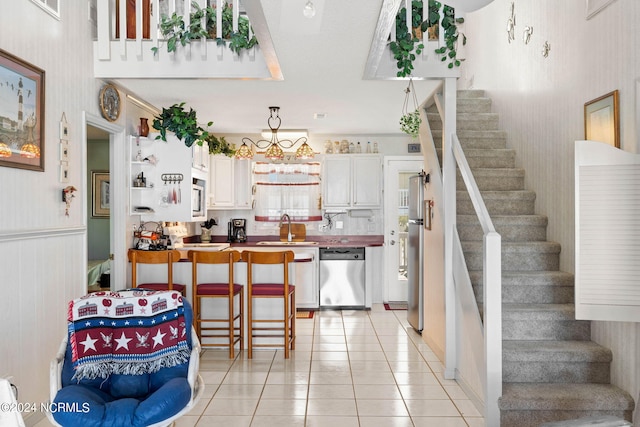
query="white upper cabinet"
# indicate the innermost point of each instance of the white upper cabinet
(352, 181)
(229, 183)
(201, 156)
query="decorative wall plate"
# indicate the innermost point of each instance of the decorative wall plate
(110, 102)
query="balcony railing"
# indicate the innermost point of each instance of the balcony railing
(126, 50)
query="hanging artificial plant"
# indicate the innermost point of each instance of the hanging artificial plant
(175, 31)
(408, 44)
(184, 124)
(451, 35)
(219, 145)
(410, 120)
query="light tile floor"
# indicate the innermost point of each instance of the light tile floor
(350, 368)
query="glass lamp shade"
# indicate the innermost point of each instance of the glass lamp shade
(304, 152)
(274, 152)
(30, 151)
(5, 151)
(244, 152)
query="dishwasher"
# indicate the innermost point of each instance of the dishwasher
(342, 277)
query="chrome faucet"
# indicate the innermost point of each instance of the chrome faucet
(288, 226)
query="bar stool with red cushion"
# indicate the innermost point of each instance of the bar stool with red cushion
(259, 289)
(206, 286)
(155, 257)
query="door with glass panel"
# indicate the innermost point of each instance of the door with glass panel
(396, 209)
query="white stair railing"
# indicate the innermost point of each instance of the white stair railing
(462, 317)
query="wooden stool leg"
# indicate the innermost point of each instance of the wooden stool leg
(293, 320)
(241, 311)
(249, 327)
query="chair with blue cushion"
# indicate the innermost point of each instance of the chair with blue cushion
(154, 392)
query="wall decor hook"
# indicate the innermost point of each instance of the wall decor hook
(67, 196)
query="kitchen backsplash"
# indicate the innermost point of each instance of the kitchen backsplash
(363, 222)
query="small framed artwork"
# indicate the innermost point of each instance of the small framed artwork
(64, 129)
(602, 120)
(64, 171)
(22, 112)
(100, 197)
(595, 6)
(64, 151)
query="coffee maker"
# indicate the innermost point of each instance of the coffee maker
(237, 230)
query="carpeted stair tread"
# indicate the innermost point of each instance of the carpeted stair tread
(494, 179)
(530, 287)
(470, 93)
(558, 396)
(468, 105)
(538, 312)
(510, 227)
(554, 351)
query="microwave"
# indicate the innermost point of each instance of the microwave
(198, 195)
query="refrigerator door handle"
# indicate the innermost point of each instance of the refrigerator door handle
(428, 204)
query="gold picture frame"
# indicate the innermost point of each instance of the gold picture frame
(101, 199)
(602, 119)
(22, 134)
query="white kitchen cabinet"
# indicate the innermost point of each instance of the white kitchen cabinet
(374, 274)
(200, 158)
(230, 183)
(306, 278)
(221, 182)
(167, 170)
(352, 181)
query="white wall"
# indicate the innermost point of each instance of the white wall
(42, 251)
(541, 105)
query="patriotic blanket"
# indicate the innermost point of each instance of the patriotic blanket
(131, 332)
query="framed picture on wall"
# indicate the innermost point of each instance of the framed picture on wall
(101, 200)
(22, 112)
(601, 119)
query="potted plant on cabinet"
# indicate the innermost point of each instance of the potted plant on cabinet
(181, 122)
(219, 145)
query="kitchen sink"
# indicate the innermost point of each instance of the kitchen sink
(281, 243)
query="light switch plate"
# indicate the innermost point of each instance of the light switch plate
(413, 148)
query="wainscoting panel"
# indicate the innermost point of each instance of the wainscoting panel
(39, 277)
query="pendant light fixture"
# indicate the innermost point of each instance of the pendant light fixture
(274, 146)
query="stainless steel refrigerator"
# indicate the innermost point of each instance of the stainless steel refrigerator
(415, 276)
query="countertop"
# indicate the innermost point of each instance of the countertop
(347, 241)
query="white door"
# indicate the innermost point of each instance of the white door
(397, 171)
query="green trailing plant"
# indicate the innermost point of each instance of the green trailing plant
(408, 44)
(451, 35)
(184, 124)
(219, 145)
(175, 31)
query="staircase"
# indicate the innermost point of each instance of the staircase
(551, 369)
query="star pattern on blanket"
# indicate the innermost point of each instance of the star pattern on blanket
(123, 342)
(89, 343)
(157, 339)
